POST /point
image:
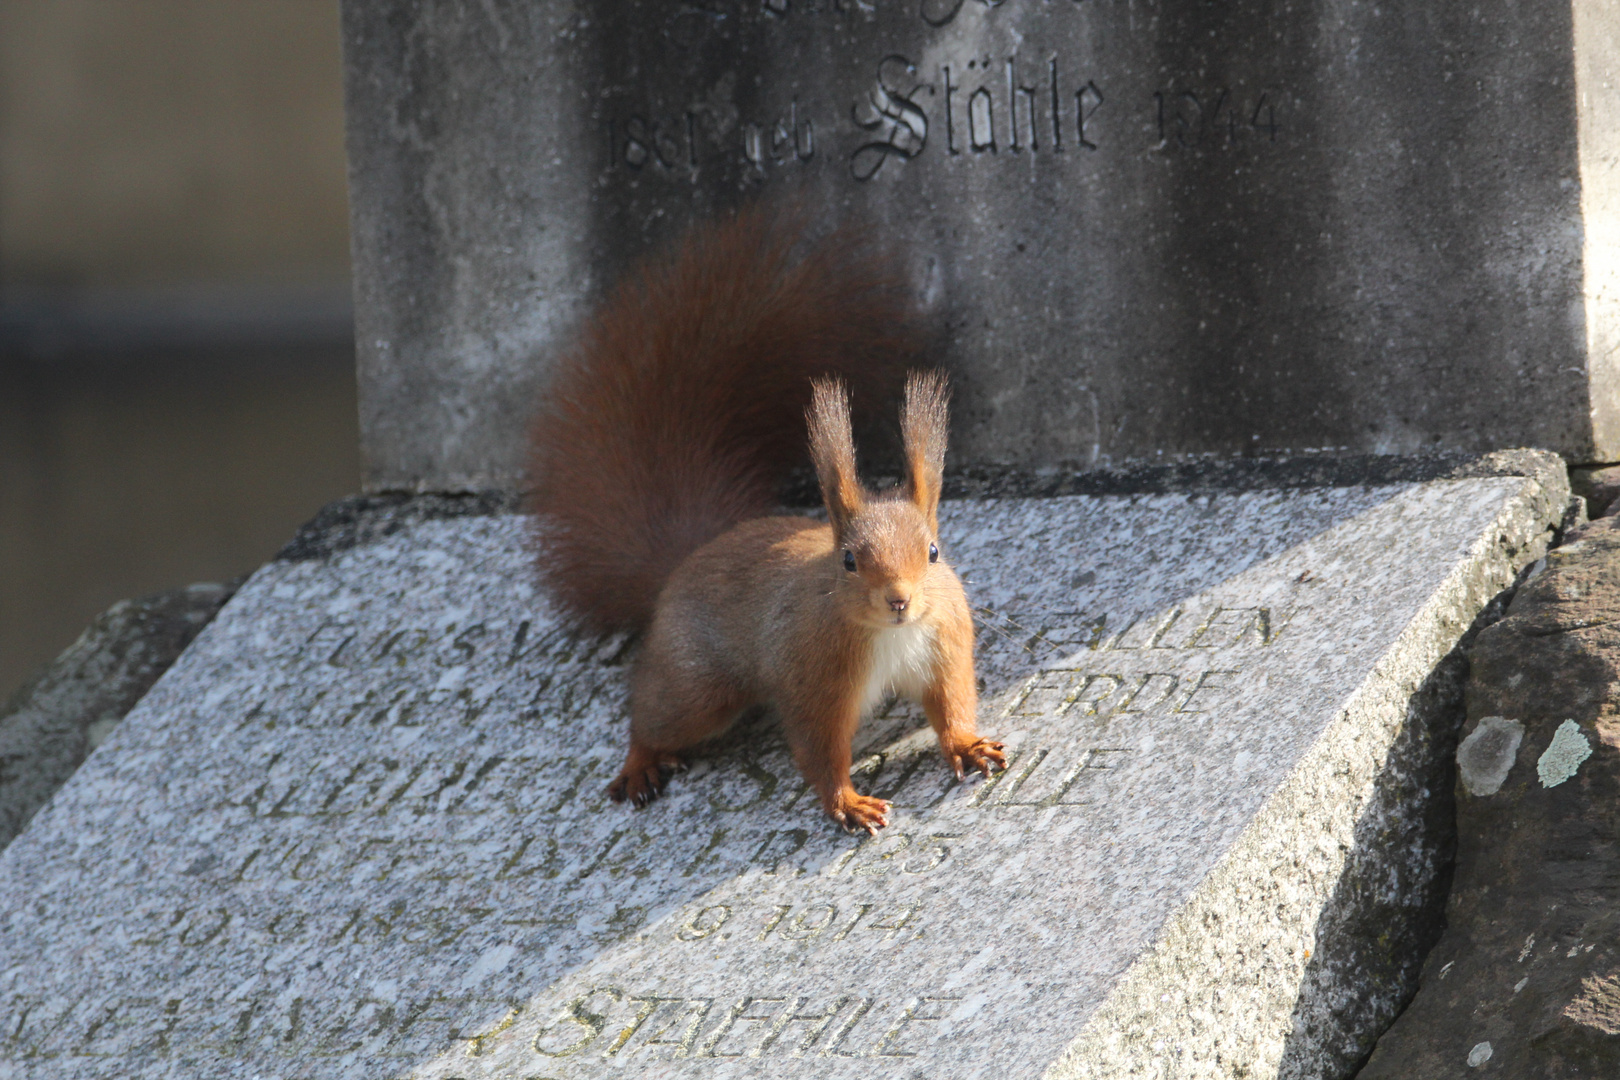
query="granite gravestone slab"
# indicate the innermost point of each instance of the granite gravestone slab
(1162, 227)
(359, 830)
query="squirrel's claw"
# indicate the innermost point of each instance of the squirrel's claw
(857, 812)
(982, 756)
(643, 777)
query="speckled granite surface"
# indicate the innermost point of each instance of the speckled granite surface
(69, 707)
(358, 829)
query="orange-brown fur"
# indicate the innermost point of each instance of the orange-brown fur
(669, 426)
(680, 409)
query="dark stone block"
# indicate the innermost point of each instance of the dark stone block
(1179, 229)
(1525, 982)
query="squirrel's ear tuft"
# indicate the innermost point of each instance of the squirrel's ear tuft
(924, 422)
(832, 450)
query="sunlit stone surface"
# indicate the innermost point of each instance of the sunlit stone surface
(359, 828)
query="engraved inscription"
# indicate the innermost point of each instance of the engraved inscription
(1219, 628)
(344, 645)
(665, 142)
(34, 1028)
(604, 1023)
(1039, 635)
(1036, 776)
(890, 110)
(783, 8)
(896, 853)
(819, 922)
(390, 792)
(980, 97)
(944, 12)
(478, 667)
(992, 106)
(1214, 119)
(1062, 691)
(198, 928)
(984, 108)
(805, 922)
(608, 1023)
(789, 138)
(379, 787)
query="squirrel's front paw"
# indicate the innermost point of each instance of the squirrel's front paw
(856, 811)
(643, 777)
(980, 754)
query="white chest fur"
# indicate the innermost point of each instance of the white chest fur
(904, 659)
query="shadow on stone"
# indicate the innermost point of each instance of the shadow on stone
(1388, 909)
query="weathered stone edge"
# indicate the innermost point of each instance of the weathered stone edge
(1522, 984)
(1254, 474)
(1272, 981)
(52, 723)
(364, 519)
(356, 520)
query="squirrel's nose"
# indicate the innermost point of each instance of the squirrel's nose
(899, 604)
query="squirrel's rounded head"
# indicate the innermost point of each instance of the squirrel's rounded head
(889, 543)
(890, 556)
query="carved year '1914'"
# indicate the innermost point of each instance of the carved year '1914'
(801, 923)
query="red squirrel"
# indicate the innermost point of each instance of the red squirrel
(656, 461)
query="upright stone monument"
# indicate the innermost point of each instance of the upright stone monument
(1169, 227)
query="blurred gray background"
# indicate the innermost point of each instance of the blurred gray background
(176, 355)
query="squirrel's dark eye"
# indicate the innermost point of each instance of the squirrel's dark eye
(933, 553)
(849, 560)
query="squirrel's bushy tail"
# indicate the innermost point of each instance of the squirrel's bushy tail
(681, 407)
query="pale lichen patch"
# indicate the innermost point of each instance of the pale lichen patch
(1569, 747)
(1486, 756)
